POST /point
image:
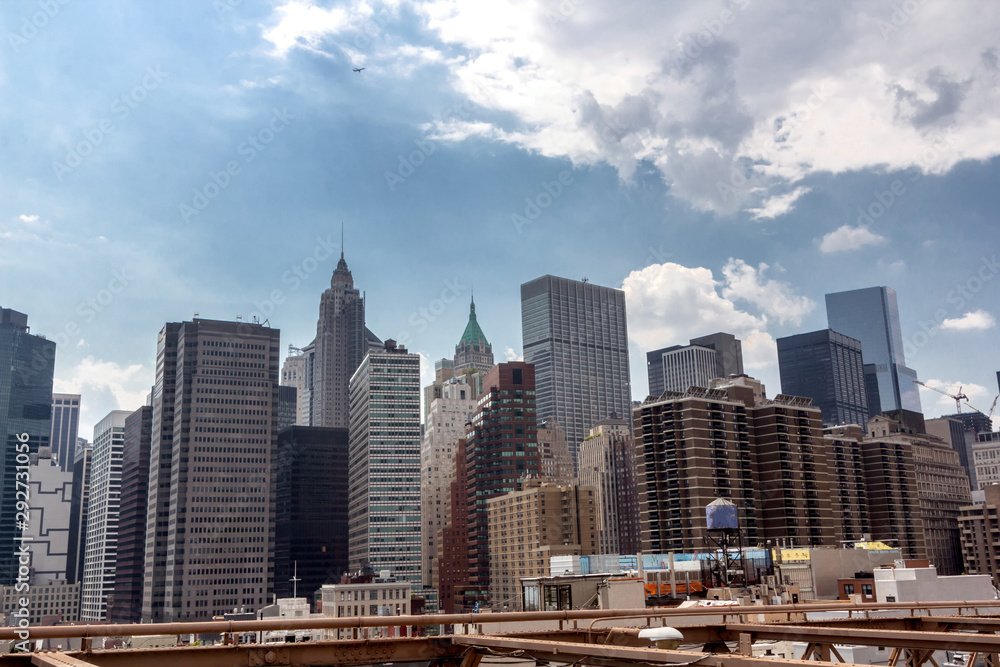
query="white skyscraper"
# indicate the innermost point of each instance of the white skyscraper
(102, 516)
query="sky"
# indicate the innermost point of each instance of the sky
(726, 163)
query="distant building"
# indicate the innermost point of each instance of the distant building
(871, 316)
(961, 439)
(473, 351)
(705, 358)
(576, 336)
(293, 374)
(310, 535)
(554, 455)
(78, 517)
(384, 464)
(452, 563)
(50, 602)
(825, 366)
(102, 517)
(607, 464)
(65, 428)
(131, 549)
(530, 526)
(979, 527)
(26, 368)
(287, 407)
(210, 515)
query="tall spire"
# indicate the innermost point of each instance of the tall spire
(342, 264)
(472, 332)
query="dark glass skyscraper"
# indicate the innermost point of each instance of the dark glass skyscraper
(26, 368)
(65, 428)
(575, 335)
(871, 316)
(825, 366)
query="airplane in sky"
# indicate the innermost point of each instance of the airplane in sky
(358, 69)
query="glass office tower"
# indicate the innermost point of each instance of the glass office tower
(825, 366)
(871, 316)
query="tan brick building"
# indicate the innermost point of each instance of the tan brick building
(528, 527)
(979, 526)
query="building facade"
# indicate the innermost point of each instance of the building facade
(50, 492)
(210, 517)
(530, 526)
(103, 513)
(65, 428)
(384, 464)
(704, 359)
(575, 334)
(871, 316)
(381, 596)
(293, 374)
(78, 513)
(979, 527)
(27, 363)
(825, 366)
(126, 606)
(311, 509)
(554, 456)
(473, 351)
(607, 465)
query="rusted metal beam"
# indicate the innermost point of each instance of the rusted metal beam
(50, 659)
(901, 638)
(565, 652)
(146, 629)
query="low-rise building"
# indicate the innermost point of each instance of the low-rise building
(47, 604)
(979, 527)
(380, 596)
(922, 584)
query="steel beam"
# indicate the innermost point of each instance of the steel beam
(902, 638)
(48, 659)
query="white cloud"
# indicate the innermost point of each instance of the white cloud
(775, 298)
(978, 395)
(28, 219)
(513, 355)
(303, 25)
(975, 320)
(778, 205)
(106, 386)
(849, 238)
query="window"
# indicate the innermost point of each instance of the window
(848, 589)
(866, 589)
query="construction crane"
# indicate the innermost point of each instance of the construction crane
(958, 397)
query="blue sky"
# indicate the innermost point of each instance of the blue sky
(726, 163)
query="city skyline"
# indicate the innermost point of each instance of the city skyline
(201, 159)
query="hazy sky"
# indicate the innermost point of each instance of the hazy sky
(727, 163)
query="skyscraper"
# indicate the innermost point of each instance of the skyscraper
(575, 334)
(293, 374)
(473, 350)
(704, 359)
(50, 491)
(131, 551)
(210, 521)
(78, 513)
(26, 367)
(871, 316)
(607, 463)
(825, 366)
(501, 450)
(340, 345)
(65, 428)
(102, 517)
(384, 464)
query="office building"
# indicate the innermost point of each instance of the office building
(704, 359)
(962, 440)
(126, 605)
(311, 509)
(293, 374)
(575, 334)
(101, 543)
(501, 451)
(287, 407)
(451, 561)
(473, 351)
(78, 513)
(825, 366)
(26, 368)
(529, 527)
(65, 428)
(50, 602)
(210, 519)
(444, 370)
(871, 316)
(607, 464)
(384, 464)
(366, 596)
(341, 343)
(50, 491)
(448, 414)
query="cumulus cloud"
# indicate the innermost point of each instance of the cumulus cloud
(977, 395)
(513, 355)
(975, 320)
(849, 238)
(28, 219)
(778, 205)
(775, 298)
(107, 386)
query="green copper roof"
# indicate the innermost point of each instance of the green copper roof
(473, 333)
